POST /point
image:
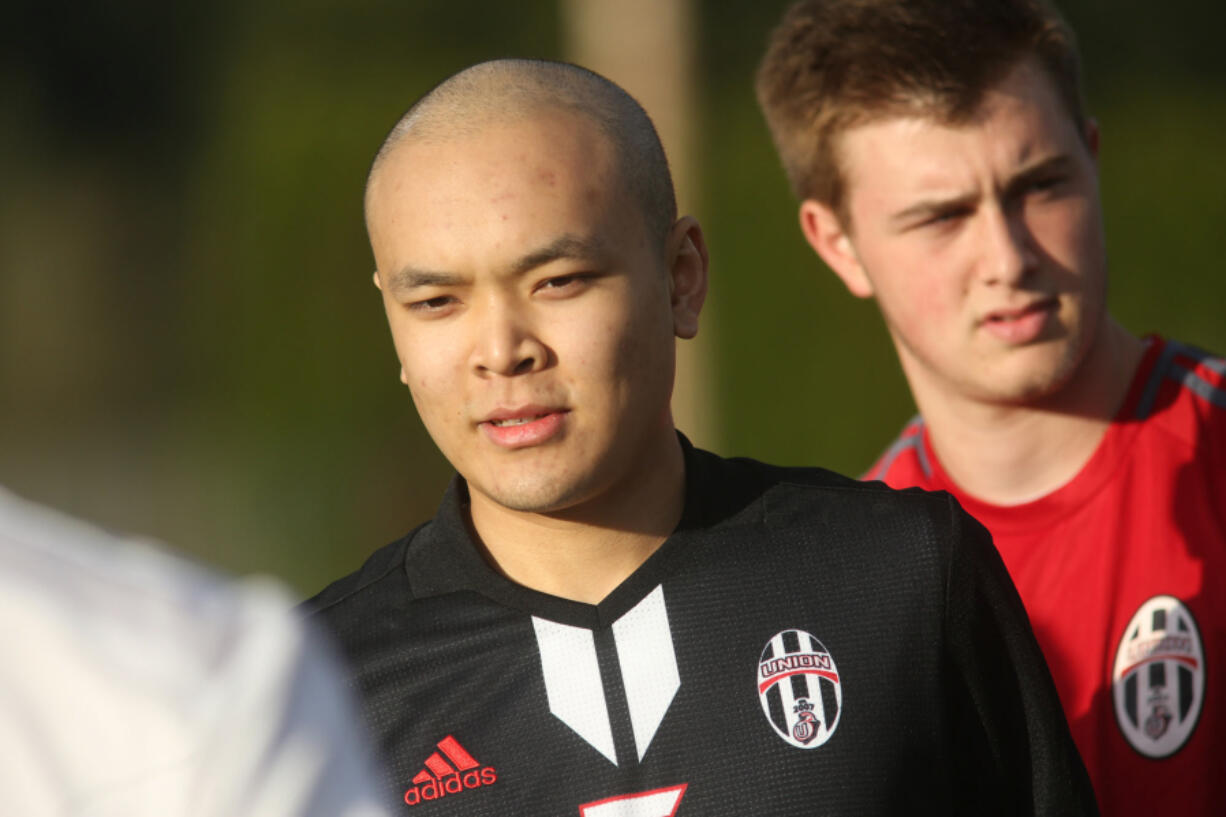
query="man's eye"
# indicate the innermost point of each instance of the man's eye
(1045, 183)
(435, 304)
(948, 216)
(564, 283)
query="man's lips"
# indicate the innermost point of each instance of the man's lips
(524, 426)
(1020, 324)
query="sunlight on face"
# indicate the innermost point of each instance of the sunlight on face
(529, 307)
(982, 242)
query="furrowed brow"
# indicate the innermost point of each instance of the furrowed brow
(407, 279)
(565, 246)
(1054, 164)
(931, 207)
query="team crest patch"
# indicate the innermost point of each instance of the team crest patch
(1158, 681)
(799, 687)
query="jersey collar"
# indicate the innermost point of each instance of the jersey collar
(443, 557)
(1071, 497)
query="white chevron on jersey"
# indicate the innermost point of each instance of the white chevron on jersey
(572, 682)
(648, 664)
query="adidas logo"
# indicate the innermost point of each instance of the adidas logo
(441, 778)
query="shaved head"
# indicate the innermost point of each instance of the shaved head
(506, 90)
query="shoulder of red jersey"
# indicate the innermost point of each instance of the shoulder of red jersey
(1183, 397)
(905, 463)
(1184, 372)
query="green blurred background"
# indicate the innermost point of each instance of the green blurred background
(190, 347)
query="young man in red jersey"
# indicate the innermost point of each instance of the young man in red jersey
(602, 620)
(945, 167)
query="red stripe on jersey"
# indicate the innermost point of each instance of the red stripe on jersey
(439, 766)
(1183, 659)
(456, 754)
(774, 679)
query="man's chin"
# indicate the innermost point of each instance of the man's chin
(1033, 386)
(542, 496)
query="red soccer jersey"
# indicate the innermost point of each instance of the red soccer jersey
(1123, 573)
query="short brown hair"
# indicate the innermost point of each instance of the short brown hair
(833, 64)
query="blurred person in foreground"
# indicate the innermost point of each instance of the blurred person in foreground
(135, 683)
(946, 168)
(601, 619)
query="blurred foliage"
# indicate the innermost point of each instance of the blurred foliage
(189, 343)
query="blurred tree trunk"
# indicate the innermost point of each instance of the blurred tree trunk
(647, 47)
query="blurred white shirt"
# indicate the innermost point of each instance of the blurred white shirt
(134, 683)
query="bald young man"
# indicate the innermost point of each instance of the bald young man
(602, 620)
(947, 169)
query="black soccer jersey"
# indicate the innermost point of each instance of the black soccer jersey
(802, 644)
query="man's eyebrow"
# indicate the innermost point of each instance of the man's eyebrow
(929, 208)
(407, 278)
(1059, 163)
(564, 246)
(923, 210)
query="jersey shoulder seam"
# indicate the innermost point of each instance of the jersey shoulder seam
(1191, 369)
(910, 438)
(398, 552)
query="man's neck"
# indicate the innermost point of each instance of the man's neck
(1011, 454)
(585, 551)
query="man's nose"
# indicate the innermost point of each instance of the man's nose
(1009, 252)
(507, 342)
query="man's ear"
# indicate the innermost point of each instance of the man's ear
(826, 234)
(1092, 136)
(687, 270)
(404, 376)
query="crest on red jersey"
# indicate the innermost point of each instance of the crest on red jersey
(1158, 681)
(799, 687)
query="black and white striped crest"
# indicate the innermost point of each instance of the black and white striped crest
(1158, 681)
(799, 687)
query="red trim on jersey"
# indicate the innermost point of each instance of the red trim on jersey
(774, 679)
(1184, 659)
(680, 790)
